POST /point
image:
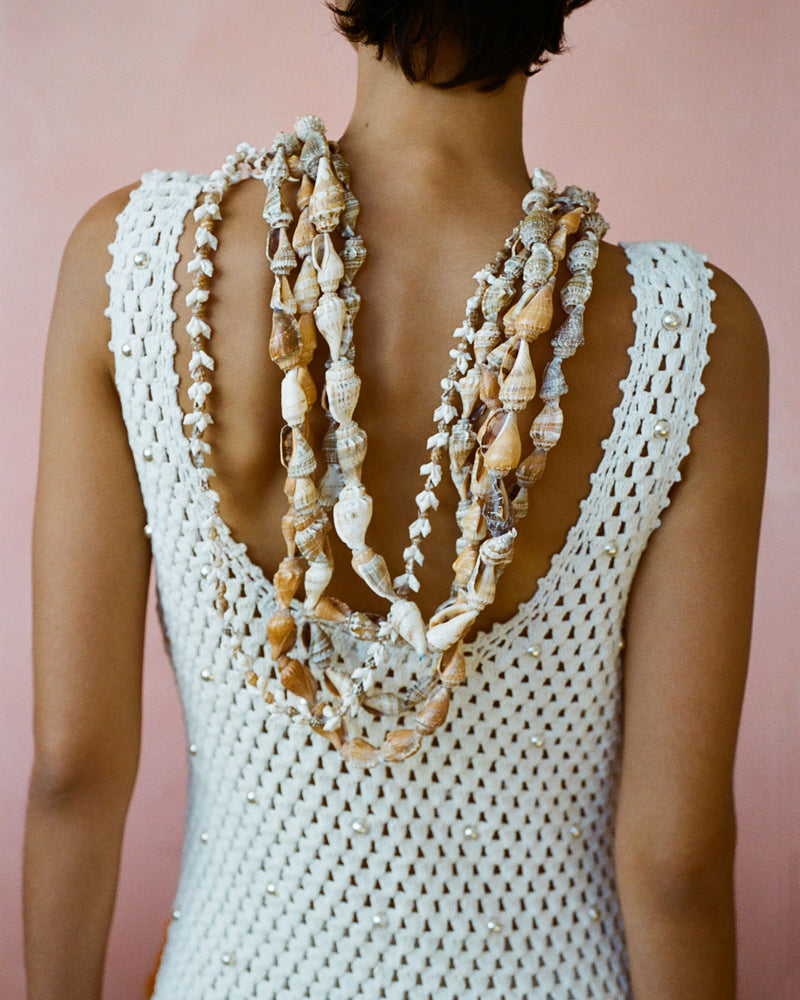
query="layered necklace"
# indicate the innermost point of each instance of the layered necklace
(490, 382)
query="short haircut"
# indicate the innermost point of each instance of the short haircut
(498, 38)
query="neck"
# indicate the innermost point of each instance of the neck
(434, 131)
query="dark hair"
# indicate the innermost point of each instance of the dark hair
(498, 37)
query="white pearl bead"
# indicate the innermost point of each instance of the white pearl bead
(176, 914)
(272, 889)
(206, 675)
(535, 651)
(470, 833)
(661, 429)
(252, 797)
(379, 920)
(192, 749)
(147, 454)
(204, 837)
(610, 549)
(575, 831)
(127, 350)
(537, 741)
(359, 826)
(227, 958)
(148, 531)
(141, 259)
(594, 914)
(493, 926)
(670, 320)
(205, 569)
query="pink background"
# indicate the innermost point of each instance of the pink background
(682, 115)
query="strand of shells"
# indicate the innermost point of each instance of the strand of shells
(491, 368)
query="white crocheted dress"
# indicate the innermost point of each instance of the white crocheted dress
(481, 869)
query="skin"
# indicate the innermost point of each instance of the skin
(445, 179)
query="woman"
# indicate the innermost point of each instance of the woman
(540, 843)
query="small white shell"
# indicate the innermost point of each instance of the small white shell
(406, 618)
(329, 316)
(352, 514)
(317, 577)
(293, 399)
(450, 629)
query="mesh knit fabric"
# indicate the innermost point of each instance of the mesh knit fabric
(481, 868)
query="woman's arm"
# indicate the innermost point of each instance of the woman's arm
(91, 567)
(688, 637)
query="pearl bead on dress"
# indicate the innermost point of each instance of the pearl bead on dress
(661, 429)
(359, 826)
(535, 651)
(141, 259)
(610, 549)
(670, 320)
(127, 350)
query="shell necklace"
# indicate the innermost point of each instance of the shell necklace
(490, 381)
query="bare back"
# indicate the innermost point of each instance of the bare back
(422, 254)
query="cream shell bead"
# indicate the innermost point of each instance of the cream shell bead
(352, 514)
(329, 265)
(449, 629)
(306, 287)
(406, 618)
(342, 387)
(317, 577)
(329, 316)
(293, 399)
(373, 570)
(327, 200)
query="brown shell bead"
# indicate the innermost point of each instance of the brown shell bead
(535, 317)
(400, 744)
(434, 712)
(303, 235)
(287, 579)
(297, 678)
(331, 609)
(285, 342)
(281, 632)
(304, 192)
(464, 564)
(546, 428)
(503, 454)
(360, 751)
(452, 668)
(531, 468)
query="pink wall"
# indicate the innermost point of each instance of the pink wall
(681, 114)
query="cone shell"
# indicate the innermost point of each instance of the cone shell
(282, 297)
(304, 192)
(302, 462)
(400, 744)
(373, 570)
(354, 254)
(453, 625)
(464, 565)
(490, 387)
(318, 576)
(275, 212)
(462, 441)
(297, 678)
(285, 342)
(329, 317)
(558, 243)
(406, 618)
(452, 667)
(546, 428)
(327, 201)
(351, 446)
(434, 712)
(311, 539)
(497, 509)
(570, 334)
(305, 496)
(499, 550)
(503, 454)
(482, 586)
(571, 220)
(536, 315)
(554, 384)
(468, 387)
(330, 609)
(303, 235)
(288, 530)
(293, 399)
(360, 751)
(473, 524)
(330, 486)
(383, 703)
(349, 216)
(352, 514)
(287, 579)
(320, 647)
(306, 382)
(342, 387)
(519, 502)
(281, 632)
(519, 386)
(282, 259)
(329, 265)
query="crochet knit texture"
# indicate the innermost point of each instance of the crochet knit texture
(482, 868)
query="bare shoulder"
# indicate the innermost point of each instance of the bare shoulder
(82, 293)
